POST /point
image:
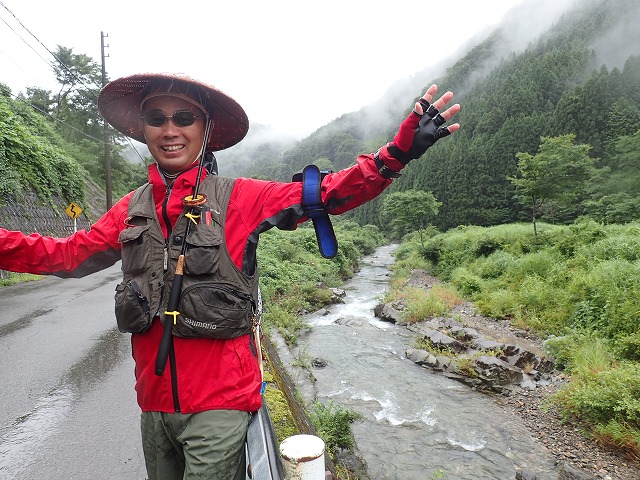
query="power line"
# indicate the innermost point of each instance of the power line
(48, 115)
(58, 60)
(20, 37)
(93, 91)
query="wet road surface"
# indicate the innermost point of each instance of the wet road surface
(67, 400)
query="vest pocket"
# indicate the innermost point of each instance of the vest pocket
(214, 310)
(204, 250)
(135, 249)
(132, 308)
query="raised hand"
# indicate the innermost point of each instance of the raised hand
(424, 126)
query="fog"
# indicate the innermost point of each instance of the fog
(521, 27)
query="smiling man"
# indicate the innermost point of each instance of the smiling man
(187, 240)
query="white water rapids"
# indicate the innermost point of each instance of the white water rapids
(416, 424)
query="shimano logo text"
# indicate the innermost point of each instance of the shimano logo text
(195, 323)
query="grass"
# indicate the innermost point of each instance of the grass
(295, 279)
(11, 278)
(333, 424)
(577, 285)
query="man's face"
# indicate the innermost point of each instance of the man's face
(175, 148)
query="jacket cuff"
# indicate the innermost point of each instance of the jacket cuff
(388, 166)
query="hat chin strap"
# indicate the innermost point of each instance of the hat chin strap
(196, 187)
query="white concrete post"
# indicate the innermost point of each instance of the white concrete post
(303, 457)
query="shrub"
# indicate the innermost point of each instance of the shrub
(497, 302)
(421, 305)
(495, 265)
(608, 298)
(288, 324)
(559, 348)
(540, 264)
(608, 402)
(628, 347)
(466, 282)
(333, 424)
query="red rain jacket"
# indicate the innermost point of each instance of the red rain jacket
(210, 373)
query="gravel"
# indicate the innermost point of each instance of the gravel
(565, 440)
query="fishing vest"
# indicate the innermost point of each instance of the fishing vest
(217, 299)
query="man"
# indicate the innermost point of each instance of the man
(188, 241)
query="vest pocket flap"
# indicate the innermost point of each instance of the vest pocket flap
(204, 250)
(205, 236)
(135, 249)
(132, 308)
(132, 233)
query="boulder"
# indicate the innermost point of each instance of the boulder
(439, 340)
(386, 312)
(496, 371)
(420, 357)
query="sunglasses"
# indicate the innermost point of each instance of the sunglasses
(181, 118)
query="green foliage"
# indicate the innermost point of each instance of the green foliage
(628, 347)
(30, 161)
(294, 278)
(10, 278)
(582, 276)
(408, 211)
(557, 172)
(420, 306)
(437, 474)
(582, 354)
(279, 411)
(333, 424)
(579, 285)
(616, 191)
(49, 142)
(608, 400)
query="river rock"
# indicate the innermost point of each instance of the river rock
(496, 371)
(351, 321)
(464, 334)
(443, 363)
(479, 361)
(567, 472)
(420, 357)
(440, 341)
(337, 295)
(527, 475)
(386, 312)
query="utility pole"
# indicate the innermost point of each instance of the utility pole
(105, 132)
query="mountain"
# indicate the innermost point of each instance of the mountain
(551, 68)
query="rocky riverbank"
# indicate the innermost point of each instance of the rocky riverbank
(509, 364)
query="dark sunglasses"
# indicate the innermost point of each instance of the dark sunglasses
(181, 118)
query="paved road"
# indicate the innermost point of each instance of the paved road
(67, 399)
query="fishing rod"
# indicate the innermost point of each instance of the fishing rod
(193, 202)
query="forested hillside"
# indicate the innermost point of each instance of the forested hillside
(578, 81)
(581, 77)
(52, 145)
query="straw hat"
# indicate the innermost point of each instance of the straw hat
(120, 101)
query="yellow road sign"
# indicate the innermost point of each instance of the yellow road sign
(73, 210)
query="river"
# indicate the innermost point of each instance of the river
(416, 424)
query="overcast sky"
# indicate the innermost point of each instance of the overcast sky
(292, 64)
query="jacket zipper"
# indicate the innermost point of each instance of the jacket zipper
(172, 356)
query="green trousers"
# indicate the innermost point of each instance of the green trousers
(207, 445)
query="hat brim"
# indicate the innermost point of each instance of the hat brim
(119, 102)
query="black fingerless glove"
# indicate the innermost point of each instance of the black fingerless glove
(417, 133)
